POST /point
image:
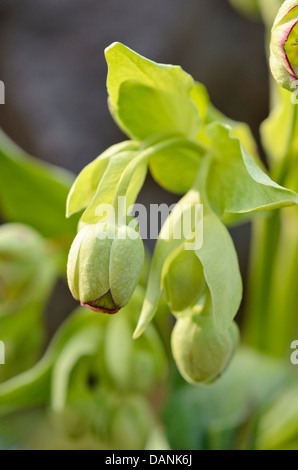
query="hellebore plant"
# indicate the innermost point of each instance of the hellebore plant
(190, 149)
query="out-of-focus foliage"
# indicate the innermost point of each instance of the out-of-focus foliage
(96, 379)
(228, 415)
(27, 275)
(209, 157)
(248, 8)
(34, 193)
(255, 9)
(33, 250)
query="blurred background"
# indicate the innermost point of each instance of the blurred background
(54, 70)
(53, 67)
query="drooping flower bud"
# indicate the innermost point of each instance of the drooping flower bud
(202, 353)
(284, 45)
(183, 279)
(104, 266)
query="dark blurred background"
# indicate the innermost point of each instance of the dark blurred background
(53, 67)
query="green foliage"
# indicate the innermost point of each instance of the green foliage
(221, 270)
(27, 275)
(97, 381)
(278, 429)
(236, 183)
(249, 8)
(34, 193)
(190, 148)
(85, 186)
(279, 136)
(183, 279)
(224, 416)
(160, 93)
(283, 55)
(93, 373)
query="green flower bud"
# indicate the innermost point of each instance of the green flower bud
(104, 265)
(201, 353)
(284, 45)
(183, 279)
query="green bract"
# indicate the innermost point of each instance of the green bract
(92, 374)
(104, 265)
(134, 365)
(160, 95)
(284, 45)
(183, 279)
(27, 276)
(131, 423)
(200, 351)
(236, 183)
(191, 149)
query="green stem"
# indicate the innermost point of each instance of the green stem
(265, 244)
(195, 149)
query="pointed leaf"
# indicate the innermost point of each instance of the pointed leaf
(34, 193)
(236, 183)
(147, 97)
(107, 186)
(221, 270)
(84, 343)
(210, 115)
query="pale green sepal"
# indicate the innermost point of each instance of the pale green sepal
(126, 264)
(85, 185)
(161, 94)
(166, 243)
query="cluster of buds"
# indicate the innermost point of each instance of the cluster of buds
(284, 45)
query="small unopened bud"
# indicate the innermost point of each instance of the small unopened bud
(284, 45)
(202, 353)
(104, 265)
